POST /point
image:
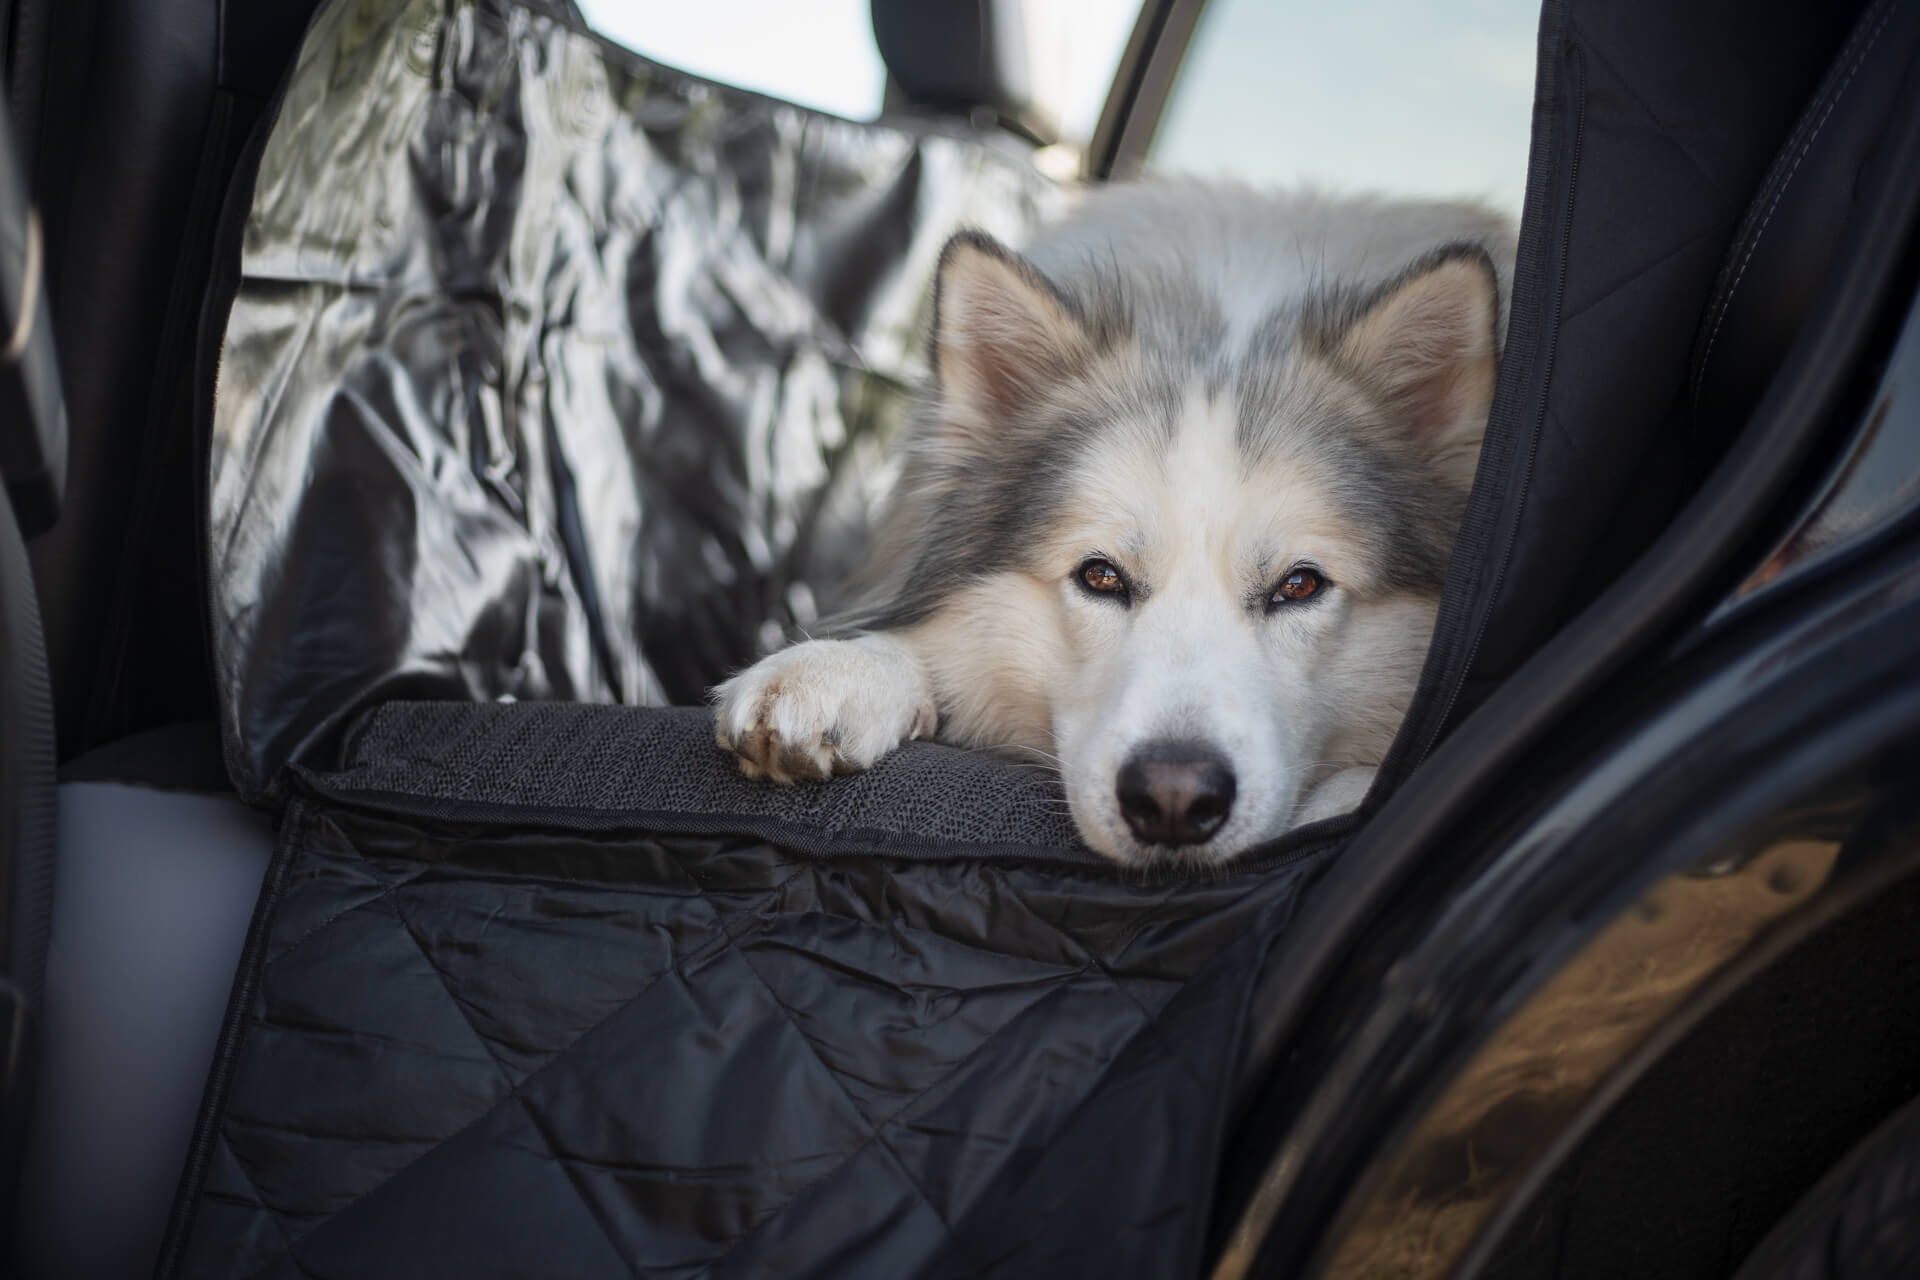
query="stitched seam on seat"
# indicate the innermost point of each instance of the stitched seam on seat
(872, 1127)
(875, 1134)
(341, 914)
(513, 1094)
(1633, 277)
(446, 988)
(1773, 180)
(260, 1199)
(1726, 304)
(1593, 50)
(389, 891)
(566, 1167)
(1151, 1023)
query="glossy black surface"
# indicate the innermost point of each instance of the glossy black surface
(1872, 488)
(553, 373)
(1545, 717)
(1526, 1000)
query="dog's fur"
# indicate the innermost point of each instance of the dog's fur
(1207, 389)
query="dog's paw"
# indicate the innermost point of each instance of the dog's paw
(1342, 793)
(823, 707)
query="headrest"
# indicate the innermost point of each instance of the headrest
(1793, 230)
(962, 57)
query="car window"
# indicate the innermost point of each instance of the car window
(1075, 46)
(818, 53)
(821, 53)
(1402, 96)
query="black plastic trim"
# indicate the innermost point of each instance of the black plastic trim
(1142, 83)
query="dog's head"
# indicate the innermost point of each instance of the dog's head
(1197, 569)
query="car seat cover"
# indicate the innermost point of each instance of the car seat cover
(549, 372)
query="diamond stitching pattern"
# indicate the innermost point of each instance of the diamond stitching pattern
(746, 916)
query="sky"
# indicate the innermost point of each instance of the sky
(1425, 97)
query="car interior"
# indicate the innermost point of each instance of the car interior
(1716, 292)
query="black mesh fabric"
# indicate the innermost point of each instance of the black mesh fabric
(661, 762)
(512, 1007)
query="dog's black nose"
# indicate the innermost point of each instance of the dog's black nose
(1175, 792)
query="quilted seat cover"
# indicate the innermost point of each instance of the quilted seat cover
(517, 1004)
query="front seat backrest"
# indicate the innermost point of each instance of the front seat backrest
(32, 453)
(131, 115)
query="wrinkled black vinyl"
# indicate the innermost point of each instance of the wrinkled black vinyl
(552, 373)
(517, 1003)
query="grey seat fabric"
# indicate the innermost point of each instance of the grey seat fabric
(156, 889)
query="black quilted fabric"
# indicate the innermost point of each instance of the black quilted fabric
(542, 1034)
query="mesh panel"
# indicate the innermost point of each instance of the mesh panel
(614, 760)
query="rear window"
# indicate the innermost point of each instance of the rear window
(821, 53)
(817, 53)
(1402, 96)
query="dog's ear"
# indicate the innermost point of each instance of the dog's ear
(1427, 345)
(1001, 333)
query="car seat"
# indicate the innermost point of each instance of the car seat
(415, 820)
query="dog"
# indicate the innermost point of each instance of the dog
(1174, 513)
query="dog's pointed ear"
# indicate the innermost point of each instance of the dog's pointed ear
(1427, 345)
(1001, 333)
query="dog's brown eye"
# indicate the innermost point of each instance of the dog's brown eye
(1297, 585)
(1101, 576)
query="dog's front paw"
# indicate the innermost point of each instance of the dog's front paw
(823, 707)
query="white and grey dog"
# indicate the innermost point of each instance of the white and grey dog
(1174, 513)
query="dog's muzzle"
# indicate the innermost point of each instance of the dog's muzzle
(1175, 792)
